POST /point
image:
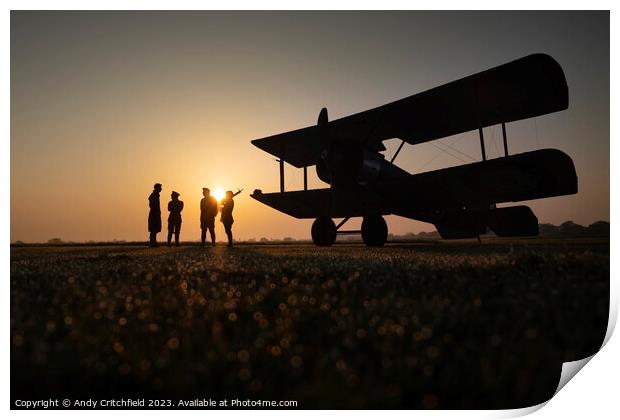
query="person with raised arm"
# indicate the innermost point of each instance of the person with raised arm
(227, 206)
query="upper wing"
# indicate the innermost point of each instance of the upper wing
(531, 86)
(299, 148)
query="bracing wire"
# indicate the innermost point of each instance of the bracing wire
(457, 150)
(451, 154)
(439, 154)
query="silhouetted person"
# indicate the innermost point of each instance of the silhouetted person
(154, 215)
(208, 211)
(228, 204)
(175, 207)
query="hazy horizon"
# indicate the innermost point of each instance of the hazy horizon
(105, 104)
(222, 238)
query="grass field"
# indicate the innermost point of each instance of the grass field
(419, 325)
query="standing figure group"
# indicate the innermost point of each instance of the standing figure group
(208, 211)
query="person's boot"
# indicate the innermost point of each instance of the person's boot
(230, 241)
(212, 238)
(203, 237)
(153, 240)
(176, 239)
(170, 239)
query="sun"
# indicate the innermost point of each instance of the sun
(218, 193)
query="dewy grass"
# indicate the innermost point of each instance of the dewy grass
(406, 326)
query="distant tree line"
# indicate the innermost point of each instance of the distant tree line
(546, 230)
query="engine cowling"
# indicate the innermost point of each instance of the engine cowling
(346, 166)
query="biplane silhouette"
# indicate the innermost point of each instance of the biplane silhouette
(460, 201)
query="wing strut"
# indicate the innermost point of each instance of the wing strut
(305, 178)
(281, 161)
(281, 165)
(397, 151)
(505, 141)
(484, 154)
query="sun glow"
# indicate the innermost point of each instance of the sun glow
(218, 193)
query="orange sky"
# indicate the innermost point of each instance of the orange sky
(105, 104)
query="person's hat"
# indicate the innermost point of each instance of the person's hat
(205, 189)
(175, 194)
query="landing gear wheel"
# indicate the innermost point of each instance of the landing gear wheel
(374, 231)
(323, 231)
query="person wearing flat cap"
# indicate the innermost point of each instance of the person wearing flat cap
(208, 211)
(154, 215)
(175, 207)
